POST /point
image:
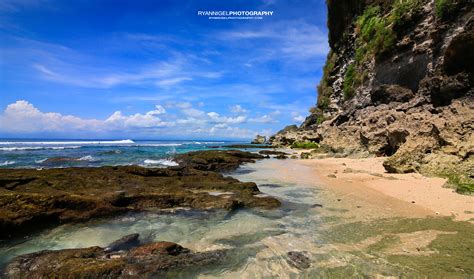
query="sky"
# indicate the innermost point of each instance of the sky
(155, 69)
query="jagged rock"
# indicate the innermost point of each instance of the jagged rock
(459, 56)
(423, 80)
(259, 139)
(147, 261)
(386, 94)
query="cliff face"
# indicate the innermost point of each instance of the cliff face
(398, 81)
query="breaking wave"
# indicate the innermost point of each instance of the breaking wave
(163, 162)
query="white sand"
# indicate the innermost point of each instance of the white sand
(363, 186)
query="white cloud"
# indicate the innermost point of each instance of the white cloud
(291, 39)
(299, 118)
(22, 116)
(216, 118)
(148, 120)
(179, 105)
(172, 81)
(237, 109)
(263, 119)
(158, 110)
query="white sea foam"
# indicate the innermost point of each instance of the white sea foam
(164, 162)
(40, 161)
(208, 142)
(159, 144)
(87, 158)
(106, 142)
(31, 148)
(6, 163)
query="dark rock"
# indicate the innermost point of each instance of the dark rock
(272, 152)
(32, 199)
(459, 56)
(305, 155)
(444, 89)
(124, 243)
(391, 93)
(281, 157)
(245, 146)
(298, 260)
(216, 160)
(147, 261)
(407, 71)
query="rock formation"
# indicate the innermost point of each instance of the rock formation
(33, 199)
(259, 139)
(151, 260)
(398, 82)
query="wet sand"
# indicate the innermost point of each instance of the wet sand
(367, 191)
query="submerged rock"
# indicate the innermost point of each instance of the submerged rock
(146, 261)
(123, 243)
(298, 260)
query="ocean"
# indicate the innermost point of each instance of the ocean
(96, 153)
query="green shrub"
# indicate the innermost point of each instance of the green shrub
(320, 119)
(443, 7)
(375, 33)
(305, 145)
(349, 82)
(462, 183)
(403, 10)
(323, 102)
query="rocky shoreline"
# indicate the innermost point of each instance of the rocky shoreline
(398, 82)
(128, 259)
(31, 200)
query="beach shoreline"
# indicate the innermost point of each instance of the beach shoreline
(363, 185)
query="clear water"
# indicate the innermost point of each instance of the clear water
(93, 153)
(259, 239)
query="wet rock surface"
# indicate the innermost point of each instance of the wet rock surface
(151, 260)
(216, 160)
(33, 199)
(298, 260)
(272, 152)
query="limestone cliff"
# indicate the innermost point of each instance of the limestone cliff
(398, 82)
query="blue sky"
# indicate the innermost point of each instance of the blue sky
(155, 69)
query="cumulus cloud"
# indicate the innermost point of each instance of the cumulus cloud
(237, 109)
(137, 120)
(217, 118)
(22, 116)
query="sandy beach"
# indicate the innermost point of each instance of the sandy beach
(363, 186)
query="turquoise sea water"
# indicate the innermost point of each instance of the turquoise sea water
(94, 153)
